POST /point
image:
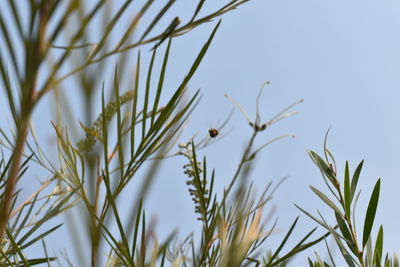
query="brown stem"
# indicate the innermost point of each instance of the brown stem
(34, 56)
(12, 178)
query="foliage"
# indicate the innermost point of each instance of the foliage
(137, 128)
(343, 204)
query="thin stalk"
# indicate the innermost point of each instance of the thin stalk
(242, 161)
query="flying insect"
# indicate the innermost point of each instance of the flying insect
(213, 132)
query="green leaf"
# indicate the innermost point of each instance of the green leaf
(157, 18)
(354, 180)
(136, 228)
(378, 246)
(119, 124)
(371, 211)
(323, 167)
(346, 233)
(368, 258)
(347, 190)
(349, 260)
(108, 29)
(160, 83)
(327, 201)
(134, 106)
(16, 247)
(39, 237)
(147, 92)
(283, 241)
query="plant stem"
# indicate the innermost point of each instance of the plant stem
(34, 56)
(242, 161)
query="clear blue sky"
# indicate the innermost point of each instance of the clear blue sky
(341, 57)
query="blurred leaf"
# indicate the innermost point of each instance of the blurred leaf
(134, 106)
(395, 260)
(160, 83)
(146, 96)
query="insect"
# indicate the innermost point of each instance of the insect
(213, 132)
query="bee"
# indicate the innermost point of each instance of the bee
(213, 132)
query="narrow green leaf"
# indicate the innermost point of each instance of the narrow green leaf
(10, 94)
(115, 246)
(16, 247)
(198, 8)
(33, 262)
(76, 37)
(330, 254)
(300, 247)
(109, 28)
(16, 17)
(111, 200)
(62, 22)
(313, 217)
(46, 253)
(39, 237)
(347, 191)
(327, 201)
(57, 209)
(349, 260)
(354, 180)
(134, 23)
(5, 30)
(178, 93)
(105, 133)
(134, 106)
(142, 255)
(283, 241)
(371, 211)
(378, 246)
(157, 18)
(160, 82)
(368, 258)
(323, 167)
(163, 257)
(146, 97)
(346, 233)
(136, 230)
(26, 217)
(119, 124)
